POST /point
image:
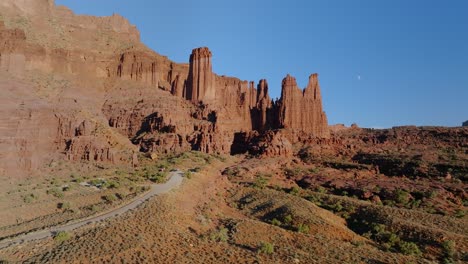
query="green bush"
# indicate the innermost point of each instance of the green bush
(64, 205)
(112, 184)
(320, 189)
(78, 180)
(220, 235)
(30, 198)
(57, 192)
(293, 172)
(303, 228)
(99, 183)
(294, 190)
(460, 213)
(288, 219)
(196, 169)
(409, 248)
(388, 240)
(62, 236)
(260, 182)
(110, 198)
(448, 249)
(188, 174)
(266, 248)
(232, 172)
(401, 196)
(314, 170)
(276, 222)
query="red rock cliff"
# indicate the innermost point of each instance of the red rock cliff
(200, 82)
(301, 110)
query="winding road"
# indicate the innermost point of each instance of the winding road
(174, 181)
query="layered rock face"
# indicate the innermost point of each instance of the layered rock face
(301, 110)
(200, 82)
(242, 107)
(267, 144)
(86, 88)
(230, 105)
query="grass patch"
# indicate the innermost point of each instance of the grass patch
(29, 198)
(62, 236)
(220, 235)
(110, 198)
(266, 248)
(56, 192)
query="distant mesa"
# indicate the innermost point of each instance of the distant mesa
(465, 123)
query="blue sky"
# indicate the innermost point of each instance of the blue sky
(380, 63)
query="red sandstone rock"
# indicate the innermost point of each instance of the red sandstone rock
(271, 143)
(200, 82)
(302, 110)
(88, 89)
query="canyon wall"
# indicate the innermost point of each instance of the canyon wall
(228, 106)
(85, 88)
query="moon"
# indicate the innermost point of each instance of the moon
(359, 77)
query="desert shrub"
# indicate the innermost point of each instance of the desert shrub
(275, 222)
(293, 172)
(232, 172)
(64, 205)
(320, 189)
(303, 228)
(109, 184)
(408, 248)
(220, 235)
(29, 198)
(294, 190)
(460, 213)
(99, 183)
(378, 232)
(62, 236)
(288, 219)
(401, 196)
(196, 169)
(260, 182)
(155, 176)
(430, 194)
(314, 170)
(110, 198)
(188, 174)
(78, 180)
(335, 207)
(448, 248)
(54, 182)
(93, 208)
(57, 192)
(208, 159)
(314, 199)
(266, 248)
(220, 157)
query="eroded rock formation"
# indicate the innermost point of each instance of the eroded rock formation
(200, 83)
(301, 110)
(229, 105)
(88, 89)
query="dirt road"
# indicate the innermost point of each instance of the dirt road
(174, 181)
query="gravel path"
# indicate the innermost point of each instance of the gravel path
(174, 181)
